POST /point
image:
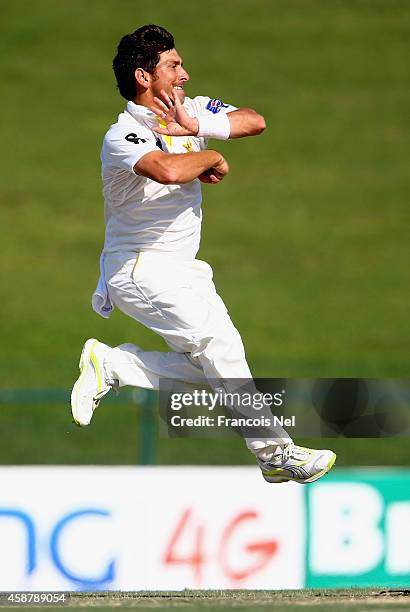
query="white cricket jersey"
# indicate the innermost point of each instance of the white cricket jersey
(141, 214)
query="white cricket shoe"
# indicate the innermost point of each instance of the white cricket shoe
(91, 385)
(298, 464)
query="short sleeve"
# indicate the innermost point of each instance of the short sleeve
(202, 105)
(124, 146)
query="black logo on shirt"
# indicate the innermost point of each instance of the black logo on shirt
(134, 138)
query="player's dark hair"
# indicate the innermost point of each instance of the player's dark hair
(141, 49)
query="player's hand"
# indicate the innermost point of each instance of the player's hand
(221, 167)
(177, 120)
(210, 176)
(215, 174)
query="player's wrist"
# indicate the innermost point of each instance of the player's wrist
(194, 126)
(214, 126)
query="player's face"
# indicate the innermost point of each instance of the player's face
(170, 75)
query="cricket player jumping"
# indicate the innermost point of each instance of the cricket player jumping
(153, 162)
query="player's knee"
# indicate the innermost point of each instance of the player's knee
(228, 348)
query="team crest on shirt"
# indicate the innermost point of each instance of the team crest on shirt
(188, 146)
(215, 105)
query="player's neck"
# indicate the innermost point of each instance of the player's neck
(144, 99)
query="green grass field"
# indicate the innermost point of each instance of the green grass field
(308, 236)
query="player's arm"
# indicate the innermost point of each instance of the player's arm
(245, 122)
(179, 168)
(236, 123)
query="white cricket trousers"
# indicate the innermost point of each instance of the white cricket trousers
(177, 299)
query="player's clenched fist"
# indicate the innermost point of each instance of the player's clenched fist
(215, 174)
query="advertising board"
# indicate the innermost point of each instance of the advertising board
(90, 528)
(359, 529)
